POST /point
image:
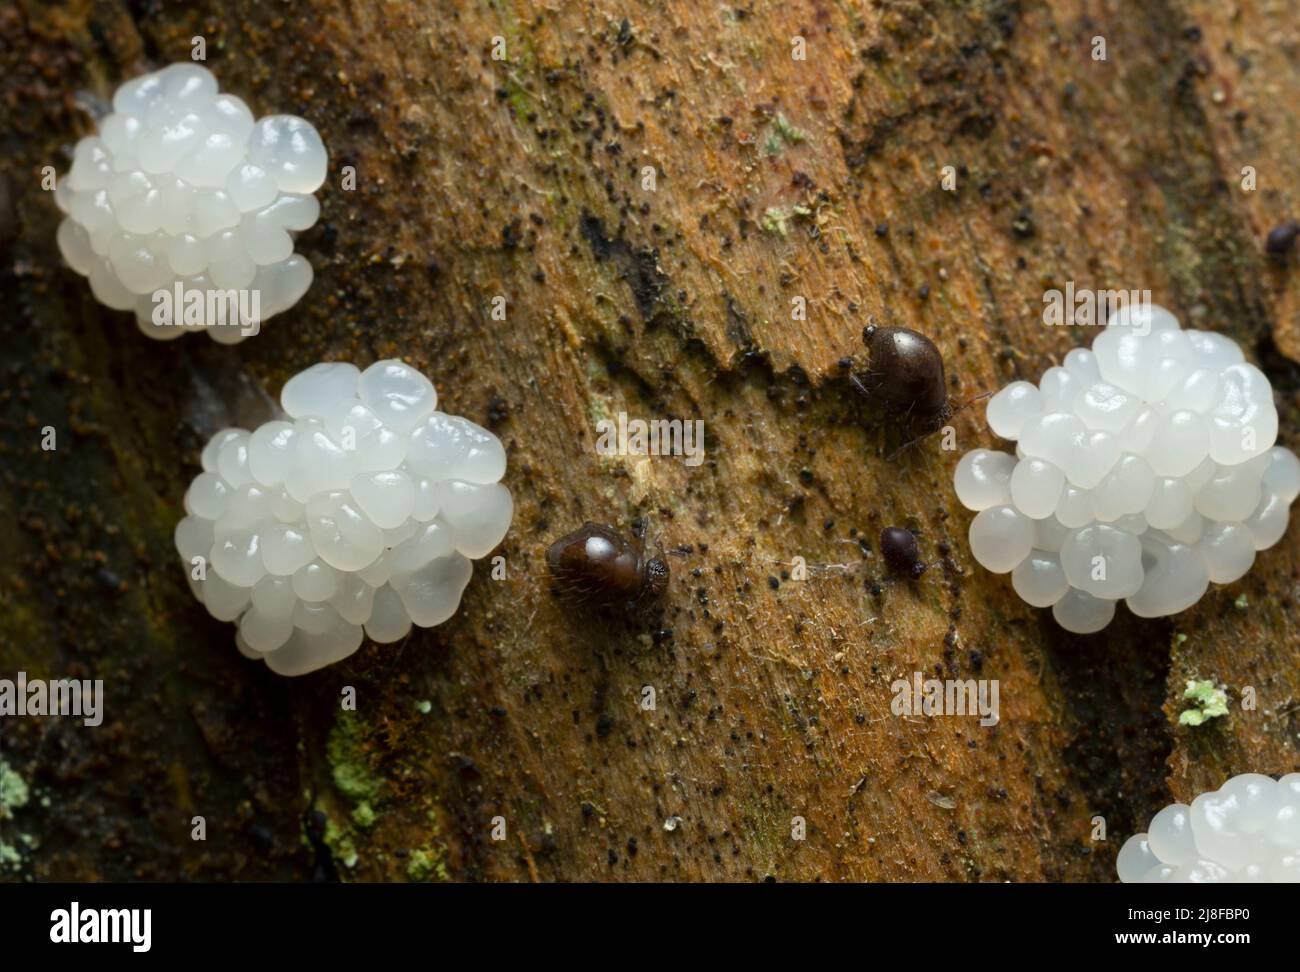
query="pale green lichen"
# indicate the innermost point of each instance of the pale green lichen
(14, 795)
(424, 707)
(349, 765)
(13, 791)
(363, 815)
(426, 865)
(10, 859)
(352, 775)
(1208, 702)
(339, 841)
(782, 134)
(428, 862)
(777, 220)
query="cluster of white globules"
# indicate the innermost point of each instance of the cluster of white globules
(1144, 469)
(182, 185)
(361, 509)
(1247, 830)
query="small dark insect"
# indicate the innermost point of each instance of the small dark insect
(902, 554)
(595, 563)
(905, 372)
(1281, 237)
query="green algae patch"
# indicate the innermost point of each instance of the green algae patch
(349, 761)
(776, 220)
(783, 134)
(427, 865)
(14, 795)
(351, 770)
(363, 815)
(10, 859)
(1208, 702)
(339, 841)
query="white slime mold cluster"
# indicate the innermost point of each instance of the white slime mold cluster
(182, 185)
(1145, 468)
(1246, 831)
(362, 508)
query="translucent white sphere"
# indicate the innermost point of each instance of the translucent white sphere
(1229, 551)
(1081, 613)
(1170, 835)
(1104, 561)
(1012, 407)
(1174, 579)
(1246, 831)
(1144, 470)
(1135, 859)
(1282, 475)
(181, 198)
(1035, 487)
(314, 529)
(1001, 537)
(1039, 579)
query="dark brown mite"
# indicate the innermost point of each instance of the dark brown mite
(901, 552)
(595, 563)
(906, 372)
(1281, 237)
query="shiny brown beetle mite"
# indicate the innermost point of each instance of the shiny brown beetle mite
(901, 552)
(906, 372)
(595, 563)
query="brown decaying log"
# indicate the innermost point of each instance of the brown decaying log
(776, 178)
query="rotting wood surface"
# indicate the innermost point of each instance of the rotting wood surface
(774, 179)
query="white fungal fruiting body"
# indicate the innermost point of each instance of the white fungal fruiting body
(181, 185)
(1145, 469)
(1246, 831)
(362, 508)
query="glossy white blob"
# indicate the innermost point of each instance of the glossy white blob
(451, 447)
(1050, 534)
(983, 479)
(1135, 859)
(1001, 537)
(389, 620)
(1229, 551)
(1035, 488)
(1103, 561)
(313, 530)
(1246, 831)
(1012, 407)
(1144, 470)
(1126, 489)
(318, 390)
(1080, 612)
(1175, 577)
(398, 394)
(1170, 835)
(1039, 579)
(1281, 476)
(1074, 507)
(181, 188)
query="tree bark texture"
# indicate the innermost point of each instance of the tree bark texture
(775, 178)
